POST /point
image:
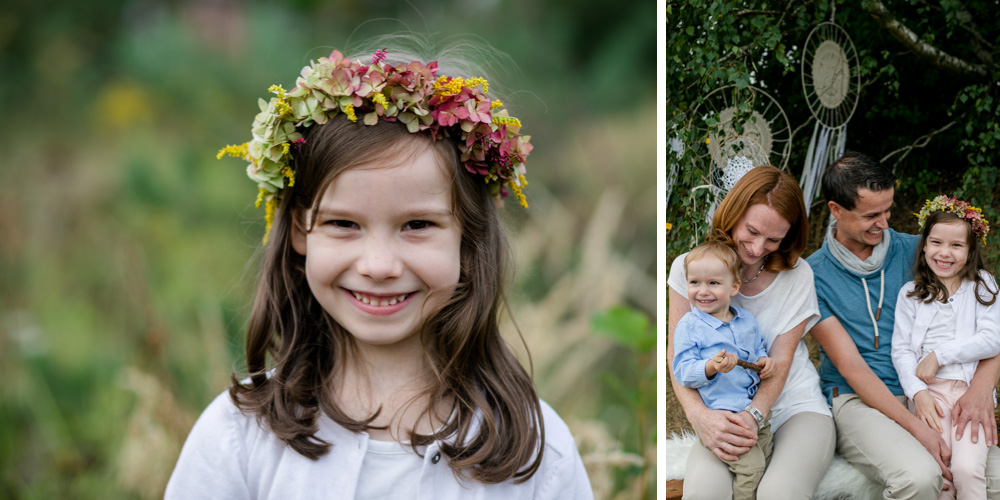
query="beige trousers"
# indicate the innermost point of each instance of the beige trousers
(802, 451)
(885, 452)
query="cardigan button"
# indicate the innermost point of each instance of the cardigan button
(436, 458)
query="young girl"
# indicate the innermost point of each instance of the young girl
(376, 365)
(947, 319)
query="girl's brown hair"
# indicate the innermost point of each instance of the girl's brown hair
(779, 190)
(926, 285)
(295, 349)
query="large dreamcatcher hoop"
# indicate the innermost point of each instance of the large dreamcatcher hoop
(831, 81)
(765, 139)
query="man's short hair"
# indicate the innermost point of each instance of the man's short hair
(852, 172)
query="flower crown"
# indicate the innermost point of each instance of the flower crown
(964, 211)
(488, 139)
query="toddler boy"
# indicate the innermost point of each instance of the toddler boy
(714, 342)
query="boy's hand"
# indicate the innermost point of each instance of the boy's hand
(928, 410)
(927, 369)
(767, 367)
(724, 363)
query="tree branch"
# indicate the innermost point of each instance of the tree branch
(925, 50)
(919, 143)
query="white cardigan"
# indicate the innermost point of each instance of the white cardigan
(228, 455)
(977, 333)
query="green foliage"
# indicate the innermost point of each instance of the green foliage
(930, 121)
(631, 329)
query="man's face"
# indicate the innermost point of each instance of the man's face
(861, 228)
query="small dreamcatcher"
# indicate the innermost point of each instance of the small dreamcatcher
(764, 140)
(831, 83)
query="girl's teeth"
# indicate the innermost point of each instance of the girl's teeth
(376, 302)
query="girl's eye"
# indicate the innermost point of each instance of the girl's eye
(416, 225)
(341, 223)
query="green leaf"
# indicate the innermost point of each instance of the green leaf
(626, 326)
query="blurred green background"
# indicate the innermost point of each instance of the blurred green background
(128, 252)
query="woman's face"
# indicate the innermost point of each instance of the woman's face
(758, 233)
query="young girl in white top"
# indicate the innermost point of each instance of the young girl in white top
(947, 319)
(375, 361)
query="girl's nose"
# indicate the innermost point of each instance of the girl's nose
(380, 259)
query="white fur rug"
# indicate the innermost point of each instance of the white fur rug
(842, 480)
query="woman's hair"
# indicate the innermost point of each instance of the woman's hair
(926, 285)
(295, 350)
(719, 250)
(779, 190)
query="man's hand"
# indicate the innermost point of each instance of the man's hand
(975, 407)
(928, 410)
(934, 444)
(927, 368)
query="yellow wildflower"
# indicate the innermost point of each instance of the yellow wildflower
(449, 87)
(289, 174)
(260, 197)
(269, 209)
(234, 150)
(669, 227)
(495, 104)
(282, 107)
(471, 83)
(510, 121)
(278, 90)
(285, 147)
(379, 98)
(707, 140)
(516, 189)
(349, 109)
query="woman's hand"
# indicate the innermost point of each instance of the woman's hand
(725, 433)
(927, 368)
(928, 410)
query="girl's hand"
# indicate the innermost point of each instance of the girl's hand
(724, 363)
(927, 369)
(725, 433)
(767, 367)
(928, 410)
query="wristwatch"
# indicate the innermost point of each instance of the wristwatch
(755, 413)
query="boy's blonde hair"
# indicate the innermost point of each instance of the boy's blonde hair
(719, 250)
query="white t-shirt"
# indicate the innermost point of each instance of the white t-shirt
(786, 302)
(942, 330)
(231, 455)
(387, 471)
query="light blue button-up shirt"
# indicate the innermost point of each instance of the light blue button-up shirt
(699, 336)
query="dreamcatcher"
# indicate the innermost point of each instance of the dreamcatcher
(765, 139)
(831, 82)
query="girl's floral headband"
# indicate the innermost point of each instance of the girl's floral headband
(488, 139)
(965, 211)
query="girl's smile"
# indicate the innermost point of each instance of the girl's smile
(384, 251)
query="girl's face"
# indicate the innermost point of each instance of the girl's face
(758, 233)
(946, 250)
(385, 237)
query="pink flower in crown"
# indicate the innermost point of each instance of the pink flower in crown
(379, 56)
(449, 113)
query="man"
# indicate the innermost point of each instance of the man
(859, 271)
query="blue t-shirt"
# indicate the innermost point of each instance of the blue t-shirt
(840, 293)
(699, 336)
